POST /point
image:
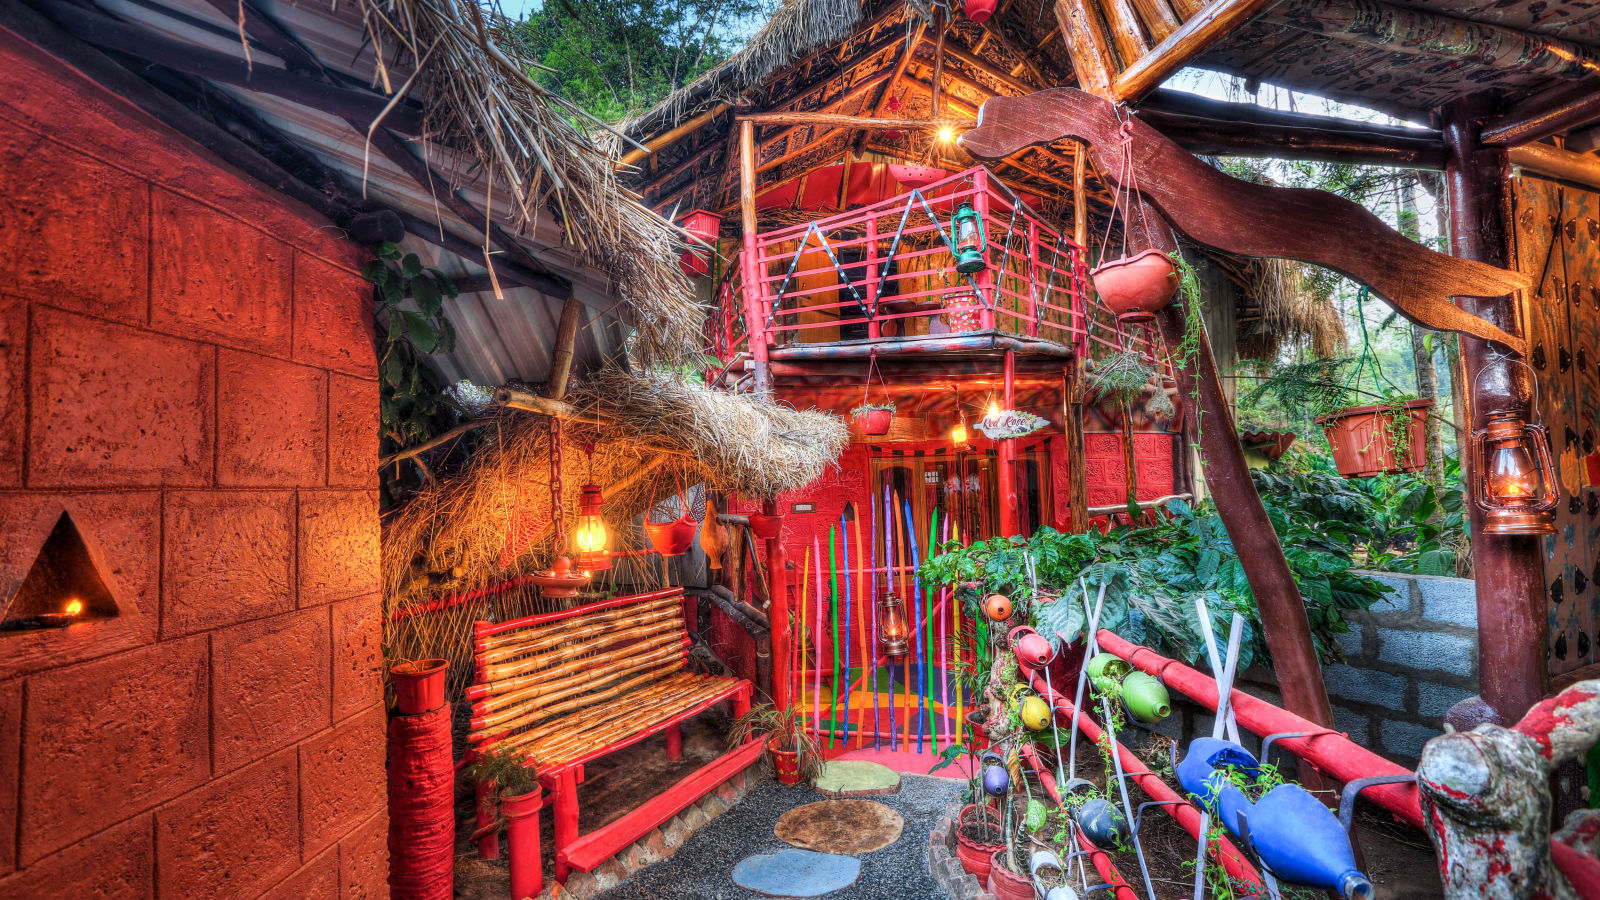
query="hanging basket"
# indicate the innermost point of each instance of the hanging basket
(671, 538)
(1360, 439)
(1136, 287)
(872, 419)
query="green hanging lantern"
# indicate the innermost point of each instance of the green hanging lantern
(967, 235)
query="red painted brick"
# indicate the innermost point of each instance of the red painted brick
(112, 405)
(115, 864)
(227, 558)
(339, 555)
(10, 759)
(110, 738)
(13, 387)
(270, 685)
(123, 534)
(364, 860)
(215, 277)
(74, 232)
(316, 880)
(352, 432)
(357, 654)
(271, 422)
(233, 837)
(342, 778)
(332, 317)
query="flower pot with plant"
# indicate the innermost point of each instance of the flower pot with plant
(873, 418)
(794, 754)
(978, 826)
(513, 801)
(1379, 438)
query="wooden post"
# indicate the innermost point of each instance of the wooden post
(1072, 414)
(1010, 522)
(1509, 571)
(755, 323)
(566, 344)
(778, 612)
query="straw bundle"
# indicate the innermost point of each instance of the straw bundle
(1287, 311)
(479, 101)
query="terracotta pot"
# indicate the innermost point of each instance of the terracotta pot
(1136, 287)
(874, 421)
(1359, 438)
(1006, 884)
(671, 538)
(975, 857)
(787, 762)
(764, 526)
(419, 685)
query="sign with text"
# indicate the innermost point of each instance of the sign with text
(1010, 423)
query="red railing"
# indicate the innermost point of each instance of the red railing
(888, 270)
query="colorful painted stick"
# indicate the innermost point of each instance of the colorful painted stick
(872, 575)
(869, 654)
(844, 547)
(901, 564)
(918, 606)
(816, 647)
(928, 594)
(888, 565)
(833, 612)
(797, 652)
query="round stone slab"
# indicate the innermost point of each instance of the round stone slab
(796, 873)
(847, 827)
(856, 778)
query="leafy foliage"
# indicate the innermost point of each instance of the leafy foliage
(1413, 525)
(1121, 377)
(787, 728)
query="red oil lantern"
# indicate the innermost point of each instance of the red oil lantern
(706, 226)
(893, 632)
(1514, 484)
(589, 538)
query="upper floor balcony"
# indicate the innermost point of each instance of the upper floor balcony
(959, 264)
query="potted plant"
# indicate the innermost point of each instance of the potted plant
(765, 526)
(516, 787)
(419, 685)
(794, 754)
(1378, 438)
(873, 418)
(978, 828)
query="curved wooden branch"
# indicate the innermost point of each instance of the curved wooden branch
(1254, 219)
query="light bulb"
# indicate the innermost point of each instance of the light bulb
(994, 408)
(947, 134)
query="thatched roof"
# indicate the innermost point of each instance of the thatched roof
(492, 522)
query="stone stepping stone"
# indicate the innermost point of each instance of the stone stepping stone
(856, 778)
(847, 827)
(796, 873)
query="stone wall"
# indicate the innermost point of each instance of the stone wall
(186, 370)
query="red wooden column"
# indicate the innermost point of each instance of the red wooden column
(873, 329)
(1508, 570)
(988, 298)
(1010, 523)
(778, 612)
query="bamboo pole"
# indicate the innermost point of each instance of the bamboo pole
(1193, 38)
(837, 120)
(566, 344)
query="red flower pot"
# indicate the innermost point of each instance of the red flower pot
(874, 421)
(1006, 884)
(1136, 287)
(787, 762)
(765, 526)
(975, 857)
(419, 685)
(1359, 438)
(980, 10)
(671, 538)
(522, 831)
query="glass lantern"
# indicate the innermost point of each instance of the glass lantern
(1514, 484)
(894, 635)
(589, 539)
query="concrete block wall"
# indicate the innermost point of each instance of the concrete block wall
(186, 368)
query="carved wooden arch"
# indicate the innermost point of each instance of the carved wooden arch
(1240, 217)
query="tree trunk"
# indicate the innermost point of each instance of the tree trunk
(1433, 182)
(1421, 356)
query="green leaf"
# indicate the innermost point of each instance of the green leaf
(421, 333)
(375, 271)
(389, 250)
(446, 284)
(393, 371)
(426, 293)
(411, 265)
(392, 292)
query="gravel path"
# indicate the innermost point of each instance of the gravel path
(701, 867)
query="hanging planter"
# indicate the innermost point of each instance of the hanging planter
(764, 526)
(874, 418)
(1136, 287)
(980, 10)
(419, 685)
(1380, 439)
(674, 538)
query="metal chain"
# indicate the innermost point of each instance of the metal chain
(555, 484)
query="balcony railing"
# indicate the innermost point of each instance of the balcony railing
(888, 270)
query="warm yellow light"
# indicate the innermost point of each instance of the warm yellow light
(994, 408)
(74, 606)
(958, 434)
(590, 536)
(947, 134)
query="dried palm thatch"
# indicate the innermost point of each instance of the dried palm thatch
(493, 522)
(479, 101)
(1285, 310)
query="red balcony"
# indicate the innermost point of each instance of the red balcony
(883, 278)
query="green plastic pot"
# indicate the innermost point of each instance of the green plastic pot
(1145, 698)
(1105, 665)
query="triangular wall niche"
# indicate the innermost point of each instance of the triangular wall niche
(63, 585)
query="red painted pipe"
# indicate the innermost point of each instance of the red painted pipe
(522, 833)
(422, 818)
(1179, 808)
(1100, 858)
(1327, 751)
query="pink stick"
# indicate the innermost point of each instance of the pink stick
(816, 706)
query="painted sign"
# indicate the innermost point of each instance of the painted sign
(1010, 423)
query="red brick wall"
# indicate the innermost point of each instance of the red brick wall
(185, 367)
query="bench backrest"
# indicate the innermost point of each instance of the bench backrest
(534, 675)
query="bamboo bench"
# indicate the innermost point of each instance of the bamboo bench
(565, 688)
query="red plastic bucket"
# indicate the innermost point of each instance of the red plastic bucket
(419, 685)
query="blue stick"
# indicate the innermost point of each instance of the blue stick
(916, 594)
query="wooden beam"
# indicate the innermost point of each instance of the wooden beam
(1585, 141)
(1123, 22)
(1582, 169)
(1194, 37)
(1039, 78)
(566, 344)
(887, 89)
(835, 120)
(959, 54)
(1159, 19)
(938, 65)
(1572, 106)
(505, 270)
(672, 135)
(1087, 44)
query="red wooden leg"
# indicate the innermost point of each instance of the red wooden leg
(489, 844)
(566, 819)
(522, 834)
(741, 703)
(674, 742)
